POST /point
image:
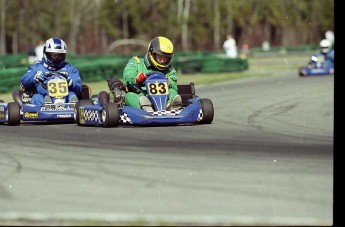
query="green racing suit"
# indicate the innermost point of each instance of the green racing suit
(137, 65)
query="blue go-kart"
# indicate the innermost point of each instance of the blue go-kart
(317, 66)
(21, 110)
(109, 109)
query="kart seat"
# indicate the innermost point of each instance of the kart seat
(186, 91)
(85, 92)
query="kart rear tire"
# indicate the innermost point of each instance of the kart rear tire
(207, 111)
(13, 113)
(110, 115)
(81, 103)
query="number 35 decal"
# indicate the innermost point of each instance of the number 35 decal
(57, 88)
(160, 88)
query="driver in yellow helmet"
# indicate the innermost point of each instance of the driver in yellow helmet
(158, 58)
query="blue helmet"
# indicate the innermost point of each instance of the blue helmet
(54, 52)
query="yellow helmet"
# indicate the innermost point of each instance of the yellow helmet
(160, 52)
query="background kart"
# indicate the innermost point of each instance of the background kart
(21, 109)
(316, 67)
(108, 109)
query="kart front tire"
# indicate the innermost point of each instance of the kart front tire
(79, 104)
(207, 111)
(13, 113)
(110, 115)
(301, 72)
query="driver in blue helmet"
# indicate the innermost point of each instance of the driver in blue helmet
(323, 58)
(326, 52)
(158, 58)
(54, 56)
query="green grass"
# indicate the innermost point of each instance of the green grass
(258, 67)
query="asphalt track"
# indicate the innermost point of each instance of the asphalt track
(267, 159)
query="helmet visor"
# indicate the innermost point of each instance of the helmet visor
(56, 57)
(162, 59)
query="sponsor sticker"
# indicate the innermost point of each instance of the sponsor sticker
(31, 115)
(64, 115)
(82, 115)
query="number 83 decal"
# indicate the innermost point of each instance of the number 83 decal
(160, 88)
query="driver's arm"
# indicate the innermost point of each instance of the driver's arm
(75, 75)
(130, 72)
(171, 75)
(27, 79)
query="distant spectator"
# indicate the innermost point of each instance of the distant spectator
(265, 46)
(330, 37)
(37, 53)
(244, 52)
(230, 46)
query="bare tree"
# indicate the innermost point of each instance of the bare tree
(75, 15)
(216, 33)
(184, 26)
(81, 11)
(3, 27)
(90, 25)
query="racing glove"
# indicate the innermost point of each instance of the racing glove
(141, 77)
(70, 81)
(40, 77)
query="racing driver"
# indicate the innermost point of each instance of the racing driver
(158, 58)
(54, 55)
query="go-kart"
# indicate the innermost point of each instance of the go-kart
(316, 66)
(59, 110)
(109, 109)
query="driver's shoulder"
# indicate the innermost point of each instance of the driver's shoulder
(69, 67)
(36, 65)
(136, 59)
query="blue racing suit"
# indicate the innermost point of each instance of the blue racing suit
(326, 59)
(29, 82)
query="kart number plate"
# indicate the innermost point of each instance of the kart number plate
(57, 88)
(158, 88)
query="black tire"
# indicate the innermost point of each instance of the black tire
(81, 103)
(207, 111)
(103, 98)
(2, 101)
(13, 113)
(110, 115)
(301, 72)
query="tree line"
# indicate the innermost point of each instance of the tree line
(91, 26)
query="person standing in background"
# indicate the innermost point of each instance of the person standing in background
(330, 37)
(39, 50)
(37, 53)
(230, 46)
